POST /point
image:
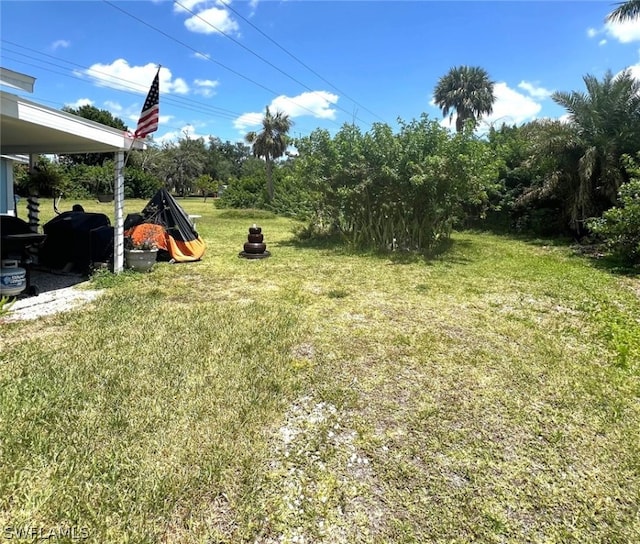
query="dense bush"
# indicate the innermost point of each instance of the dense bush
(620, 225)
(246, 192)
(292, 196)
(85, 180)
(405, 190)
(140, 184)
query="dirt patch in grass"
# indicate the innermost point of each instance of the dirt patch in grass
(320, 486)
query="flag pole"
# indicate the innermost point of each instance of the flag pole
(126, 157)
(135, 134)
(147, 123)
(142, 113)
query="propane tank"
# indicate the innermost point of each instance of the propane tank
(13, 279)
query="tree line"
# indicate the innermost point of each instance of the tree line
(186, 167)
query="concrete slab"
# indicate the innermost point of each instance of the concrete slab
(58, 293)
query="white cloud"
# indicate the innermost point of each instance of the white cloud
(60, 43)
(212, 20)
(511, 106)
(185, 6)
(202, 56)
(624, 32)
(634, 69)
(206, 83)
(205, 87)
(534, 90)
(79, 103)
(175, 135)
(316, 104)
(114, 107)
(179, 85)
(120, 75)
(247, 120)
(565, 118)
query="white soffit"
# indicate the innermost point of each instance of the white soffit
(28, 127)
(16, 80)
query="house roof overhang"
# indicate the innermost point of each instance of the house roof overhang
(30, 128)
(16, 80)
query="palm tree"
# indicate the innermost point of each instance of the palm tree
(554, 152)
(626, 11)
(467, 90)
(606, 120)
(271, 142)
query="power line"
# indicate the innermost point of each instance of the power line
(257, 55)
(183, 103)
(228, 6)
(126, 85)
(209, 58)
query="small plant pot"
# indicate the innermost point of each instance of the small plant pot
(105, 197)
(140, 260)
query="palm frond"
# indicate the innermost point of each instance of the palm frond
(626, 11)
(468, 91)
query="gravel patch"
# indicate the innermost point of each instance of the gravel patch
(58, 293)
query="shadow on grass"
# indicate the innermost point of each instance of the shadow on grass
(249, 214)
(610, 263)
(446, 251)
(596, 255)
(526, 238)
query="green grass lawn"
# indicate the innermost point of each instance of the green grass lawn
(491, 394)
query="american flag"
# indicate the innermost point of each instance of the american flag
(148, 121)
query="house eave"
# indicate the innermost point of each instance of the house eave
(30, 128)
(16, 80)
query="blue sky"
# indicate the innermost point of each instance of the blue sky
(322, 62)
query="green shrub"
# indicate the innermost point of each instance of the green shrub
(140, 184)
(620, 225)
(404, 190)
(246, 192)
(292, 197)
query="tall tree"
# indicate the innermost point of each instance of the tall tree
(552, 198)
(104, 117)
(626, 11)
(180, 164)
(271, 142)
(607, 123)
(466, 89)
(577, 165)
